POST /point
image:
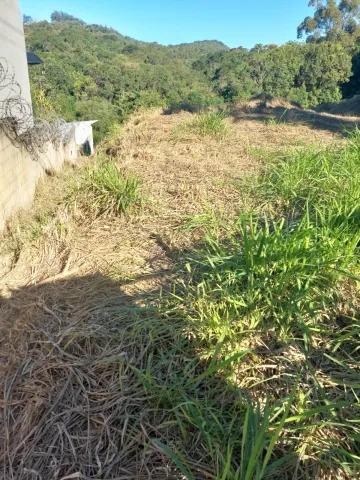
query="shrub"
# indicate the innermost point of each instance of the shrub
(106, 114)
(149, 98)
(194, 102)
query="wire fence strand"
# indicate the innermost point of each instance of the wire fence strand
(18, 123)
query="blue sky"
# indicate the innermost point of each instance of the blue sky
(234, 22)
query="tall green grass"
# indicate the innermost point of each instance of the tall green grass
(274, 274)
(207, 124)
(103, 189)
(322, 178)
(243, 449)
(286, 281)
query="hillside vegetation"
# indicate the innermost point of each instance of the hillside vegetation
(94, 72)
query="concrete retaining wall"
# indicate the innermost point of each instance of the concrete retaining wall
(19, 173)
(12, 48)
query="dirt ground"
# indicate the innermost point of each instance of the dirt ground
(347, 108)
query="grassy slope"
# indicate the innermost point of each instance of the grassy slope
(195, 324)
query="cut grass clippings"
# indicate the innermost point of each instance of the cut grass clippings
(245, 367)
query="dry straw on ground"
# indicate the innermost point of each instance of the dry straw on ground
(73, 328)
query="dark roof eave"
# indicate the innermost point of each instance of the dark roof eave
(33, 59)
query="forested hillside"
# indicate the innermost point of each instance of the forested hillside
(95, 72)
(192, 51)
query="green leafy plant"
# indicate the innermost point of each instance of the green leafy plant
(105, 190)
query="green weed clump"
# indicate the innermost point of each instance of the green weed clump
(275, 275)
(207, 124)
(321, 178)
(104, 190)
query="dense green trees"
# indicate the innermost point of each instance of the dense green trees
(336, 21)
(94, 72)
(308, 74)
(229, 73)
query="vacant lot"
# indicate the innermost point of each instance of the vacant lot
(184, 305)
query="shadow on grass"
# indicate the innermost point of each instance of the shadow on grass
(296, 116)
(91, 381)
(96, 386)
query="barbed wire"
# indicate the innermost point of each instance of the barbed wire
(17, 122)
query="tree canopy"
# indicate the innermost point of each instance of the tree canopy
(332, 20)
(27, 19)
(63, 17)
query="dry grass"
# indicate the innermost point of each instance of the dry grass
(338, 119)
(84, 366)
(183, 171)
(72, 400)
(348, 108)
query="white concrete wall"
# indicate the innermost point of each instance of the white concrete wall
(19, 173)
(12, 46)
(84, 135)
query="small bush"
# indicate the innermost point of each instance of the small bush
(149, 99)
(105, 190)
(106, 114)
